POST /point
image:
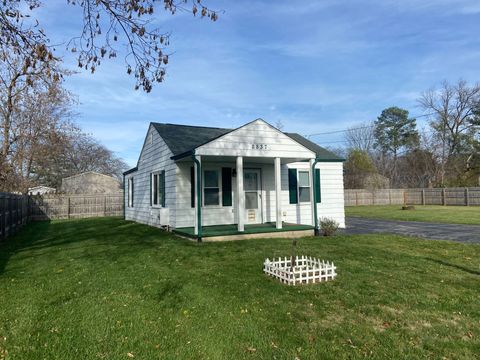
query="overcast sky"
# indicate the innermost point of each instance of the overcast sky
(316, 66)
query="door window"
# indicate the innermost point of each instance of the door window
(250, 184)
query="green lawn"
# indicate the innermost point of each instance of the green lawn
(111, 289)
(429, 213)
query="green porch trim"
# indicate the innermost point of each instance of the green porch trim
(222, 230)
(316, 185)
(199, 199)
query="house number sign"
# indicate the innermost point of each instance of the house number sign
(259, 146)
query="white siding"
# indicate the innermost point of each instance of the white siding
(240, 142)
(155, 156)
(211, 215)
(331, 179)
(332, 201)
(332, 205)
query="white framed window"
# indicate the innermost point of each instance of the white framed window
(303, 186)
(130, 192)
(157, 189)
(150, 140)
(211, 187)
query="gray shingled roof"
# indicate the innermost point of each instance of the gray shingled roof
(322, 153)
(183, 139)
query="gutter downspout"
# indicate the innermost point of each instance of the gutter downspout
(124, 203)
(315, 211)
(199, 197)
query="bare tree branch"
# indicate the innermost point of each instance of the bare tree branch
(107, 25)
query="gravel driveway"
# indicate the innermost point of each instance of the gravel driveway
(434, 231)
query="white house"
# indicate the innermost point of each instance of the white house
(253, 179)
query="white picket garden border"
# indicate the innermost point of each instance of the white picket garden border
(307, 270)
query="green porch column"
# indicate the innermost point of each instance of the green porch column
(198, 198)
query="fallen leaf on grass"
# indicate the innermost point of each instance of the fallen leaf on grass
(251, 349)
(350, 343)
(130, 355)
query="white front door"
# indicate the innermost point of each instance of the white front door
(253, 196)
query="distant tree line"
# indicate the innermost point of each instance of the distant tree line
(392, 152)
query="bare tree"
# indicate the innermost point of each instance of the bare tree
(107, 25)
(279, 125)
(44, 113)
(360, 137)
(338, 150)
(453, 119)
(19, 79)
(73, 152)
(40, 142)
(85, 153)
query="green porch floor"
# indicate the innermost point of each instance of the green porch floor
(222, 230)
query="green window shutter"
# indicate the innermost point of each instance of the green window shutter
(162, 187)
(318, 192)
(292, 186)
(192, 186)
(226, 186)
(151, 189)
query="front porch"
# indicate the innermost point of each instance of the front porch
(242, 177)
(230, 232)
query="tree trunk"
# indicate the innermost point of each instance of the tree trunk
(7, 119)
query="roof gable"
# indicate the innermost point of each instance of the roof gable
(256, 139)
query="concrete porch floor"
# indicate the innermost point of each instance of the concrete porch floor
(230, 232)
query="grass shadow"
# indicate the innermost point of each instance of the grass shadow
(26, 237)
(100, 237)
(458, 267)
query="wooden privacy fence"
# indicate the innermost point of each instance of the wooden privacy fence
(426, 196)
(13, 213)
(75, 206)
(17, 210)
